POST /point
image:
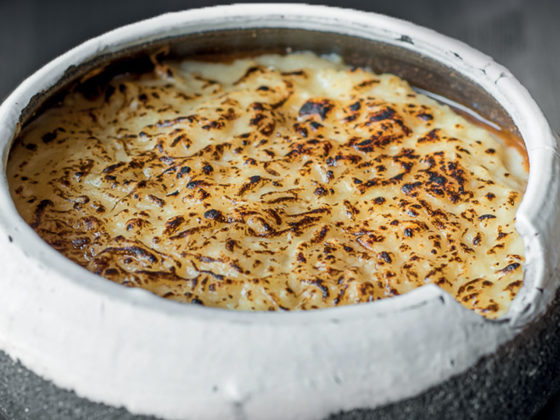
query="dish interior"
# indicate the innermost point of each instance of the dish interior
(380, 57)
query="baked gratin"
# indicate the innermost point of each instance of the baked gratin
(274, 183)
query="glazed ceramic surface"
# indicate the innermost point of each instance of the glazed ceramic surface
(127, 347)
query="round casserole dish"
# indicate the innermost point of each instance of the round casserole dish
(421, 354)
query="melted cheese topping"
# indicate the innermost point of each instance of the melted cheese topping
(277, 182)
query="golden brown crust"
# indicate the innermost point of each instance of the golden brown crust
(305, 186)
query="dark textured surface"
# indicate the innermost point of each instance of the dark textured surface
(25, 396)
(523, 35)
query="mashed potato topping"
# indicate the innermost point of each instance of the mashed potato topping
(275, 182)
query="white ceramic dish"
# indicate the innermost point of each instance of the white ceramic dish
(127, 347)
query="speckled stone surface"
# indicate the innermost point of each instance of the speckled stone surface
(514, 384)
(26, 396)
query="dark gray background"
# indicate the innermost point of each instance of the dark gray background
(523, 35)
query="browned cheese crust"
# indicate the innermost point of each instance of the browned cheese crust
(274, 183)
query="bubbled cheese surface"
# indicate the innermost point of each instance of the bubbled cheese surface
(274, 183)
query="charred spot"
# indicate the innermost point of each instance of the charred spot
(248, 72)
(178, 139)
(302, 131)
(367, 83)
(437, 179)
(315, 125)
(169, 123)
(213, 124)
(409, 187)
(183, 171)
(425, 117)
(254, 179)
(195, 184)
(490, 151)
(355, 106)
(324, 289)
(134, 251)
(513, 286)
(99, 208)
(50, 136)
(501, 235)
(431, 137)
(80, 242)
(387, 113)
(257, 106)
(509, 268)
(477, 239)
(357, 181)
(512, 197)
(364, 145)
(379, 200)
(408, 233)
(213, 214)
(135, 223)
(134, 164)
(316, 107)
(294, 73)
(230, 245)
(263, 88)
(331, 161)
(207, 169)
(320, 191)
(486, 217)
(111, 272)
(112, 168)
(39, 210)
(385, 257)
(351, 158)
(257, 119)
(173, 224)
(321, 234)
(268, 129)
(370, 183)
